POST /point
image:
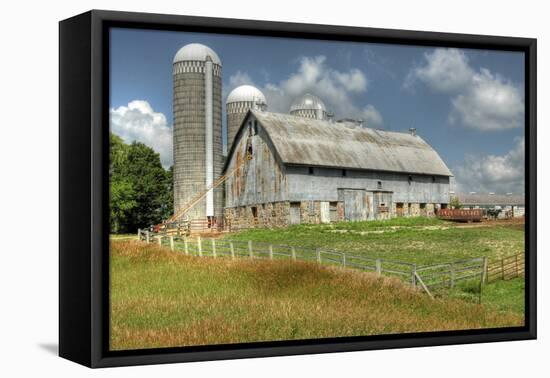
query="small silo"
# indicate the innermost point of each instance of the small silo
(309, 106)
(239, 102)
(197, 131)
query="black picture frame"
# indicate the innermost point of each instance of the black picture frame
(83, 180)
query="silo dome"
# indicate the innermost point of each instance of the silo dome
(246, 93)
(237, 105)
(196, 52)
(309, 106)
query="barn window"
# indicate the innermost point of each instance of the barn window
(410, 179)
(379, 185)
(433, 178)
(344, 172)
(422, 206)
(310, 170)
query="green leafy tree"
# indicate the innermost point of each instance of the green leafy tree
(140, 188)
(455, 203)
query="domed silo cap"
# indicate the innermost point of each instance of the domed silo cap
(308, 102)
(246, 93)
(196, 52)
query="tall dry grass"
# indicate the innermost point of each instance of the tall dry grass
(164, 299)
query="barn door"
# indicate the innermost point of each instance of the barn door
(354, 205)
(295, 213)
(325, 212)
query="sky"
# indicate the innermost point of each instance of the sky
(467, 104)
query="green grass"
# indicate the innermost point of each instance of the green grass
(420, 240)
(162, 299)
(505, 295)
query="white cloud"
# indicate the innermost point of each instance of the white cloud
(445, 70)
(139, 122)
(332, 86)
(480, 99)
(371, 116)
(490, 103)
(493, 173)
(239, 78)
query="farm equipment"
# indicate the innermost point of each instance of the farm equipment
(461, 215)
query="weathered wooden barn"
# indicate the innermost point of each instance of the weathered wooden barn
(304, 170)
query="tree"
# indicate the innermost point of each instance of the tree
(140, 188)
(122, 193)
(455, 203)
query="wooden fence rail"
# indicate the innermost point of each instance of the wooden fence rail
(506, 268)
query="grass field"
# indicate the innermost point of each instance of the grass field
(416, 240)
(162, 299)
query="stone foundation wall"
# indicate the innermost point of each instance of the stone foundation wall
(277, 214)
(269, 215)
(415, 210)
(274, 215)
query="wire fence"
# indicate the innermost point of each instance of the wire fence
(429, 278)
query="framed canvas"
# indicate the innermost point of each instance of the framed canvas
(235, 188)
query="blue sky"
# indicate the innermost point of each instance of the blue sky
(468, 104)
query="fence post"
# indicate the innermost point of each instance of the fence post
(172, 243)
(214, 247)
(147, 236)
(379, 267)
(185, 246)
(160, 240)
(502, 268)
(232, 250)
(271, 252)
(250, 249)
(139, 234)
(413, 278)
(343, 260)
(199, 244)
(318, 251)
(517, 270)
(484, 273)
(452, 267)
(293, 252)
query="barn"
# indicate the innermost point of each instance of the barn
(286, 169)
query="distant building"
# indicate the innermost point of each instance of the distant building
(309, 170)
(512, 205)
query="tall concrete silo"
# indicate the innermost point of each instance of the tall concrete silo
(238, 103)
(309, 106)
(198, 148)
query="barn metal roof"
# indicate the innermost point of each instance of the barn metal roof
(313, 142)
(480, 199)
